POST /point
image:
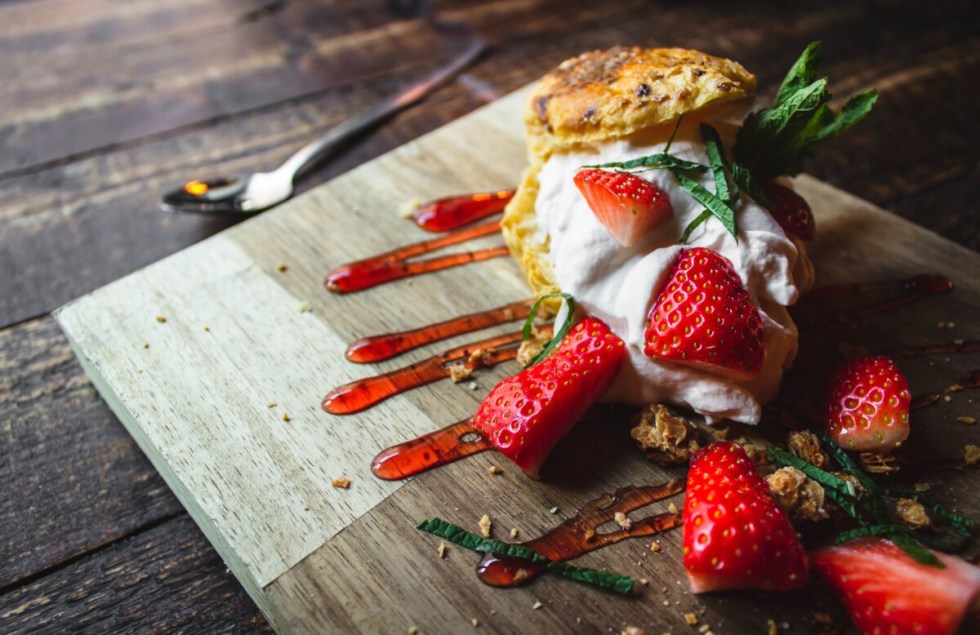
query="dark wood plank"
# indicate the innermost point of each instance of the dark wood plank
(167, 579)
(73, 477)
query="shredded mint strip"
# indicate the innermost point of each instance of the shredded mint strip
(719, 208)
(838, 454)
(838, 490)
(659, 161)
(458, 535)
(719, 164)
(914, 548)
(527, 332)
(694, 224)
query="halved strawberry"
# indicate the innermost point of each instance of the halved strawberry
(886, 591)
(524, 416)
(736, 536)
(625, 204)
(703, 317)
(867, 405)
(791, 211)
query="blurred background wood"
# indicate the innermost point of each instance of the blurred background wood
(106, 104)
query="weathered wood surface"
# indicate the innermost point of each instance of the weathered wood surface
(195, 391)
(79, 210)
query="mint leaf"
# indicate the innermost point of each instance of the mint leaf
(718, 208)
(719, 164)
(802, 73)
(659, 161)
(459, 536)
(914, 548)
(694, 224)
(556, 339)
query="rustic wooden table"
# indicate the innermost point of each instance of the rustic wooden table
(104, 105)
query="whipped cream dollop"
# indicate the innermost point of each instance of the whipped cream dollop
(620, 285)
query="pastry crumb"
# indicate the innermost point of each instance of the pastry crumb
(472, 385)
(207, 329)
(146, 345)
(955, 388)
(286, 417)
(655, 546)
(485, 526)
(622, 520)
(406, 209)
(475, 622)
(161, 319)
(672, 508)
(971, 454)
(633, 630)
(665, 437)
(495, 470)
(922, 487)
(513, 532)
(441, 550)
(704, 629)
(304, 307)
(966, 420)
(458, 371)
(912, 513)
(554, 510)
(878, 463)
(806, 445)
(282, 267)
(341, 482)
(771, 627)
(537, 604)
(691, 619)
(801, 497)
(271, 404)
(413, 630)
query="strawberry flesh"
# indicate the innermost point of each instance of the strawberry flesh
(867, 405)
(525, 415)
(625, 204)
(886, 591)
(703, 317)
(791, 211)
(736, 536)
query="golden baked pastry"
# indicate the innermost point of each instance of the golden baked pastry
(605, 95)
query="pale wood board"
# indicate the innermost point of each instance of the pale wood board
(197, 392)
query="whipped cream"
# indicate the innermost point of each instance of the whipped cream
(619, 285)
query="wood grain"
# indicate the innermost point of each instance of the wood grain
(197, 397)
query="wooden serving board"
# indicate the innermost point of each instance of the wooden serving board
(204, 355)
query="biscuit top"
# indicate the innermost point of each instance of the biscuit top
(603, 95)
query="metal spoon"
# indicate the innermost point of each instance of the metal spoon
(259, 191)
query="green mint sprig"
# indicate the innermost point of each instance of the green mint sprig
(775, 141)
(459, 536)
(556, 339)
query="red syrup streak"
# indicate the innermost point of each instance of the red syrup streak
(394, 265)
(381, 347)
(910, 290)
(428, 451)
(579, 535)
(364, 393)
(453, 212)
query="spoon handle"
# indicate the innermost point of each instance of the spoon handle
(379, 111)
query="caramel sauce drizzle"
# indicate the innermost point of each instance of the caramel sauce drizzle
(909, 290)
(452, 212)
(364, 393)
(395, 265)
(580, 535)
(381, 347)
(430, 450)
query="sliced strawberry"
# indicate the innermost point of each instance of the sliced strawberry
(703, 317)
(886, 591)
(625, 204)
(867, 405)
(736, 536)
(791, 211)
(524, 416)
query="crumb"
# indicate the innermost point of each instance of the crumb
(472, 385)
(672, 508)
(282, 267)
(771, 628)
(306, 508)
(475, 622)
(413, 630)
(622, 520)
(485, 525)
(146, 345)
(912, 513)
(161, 319)
(922, 487)
(655, 546)
(822, 618)
(971, 454)
(947, 398)
(286, 417)
(666, 602)
(806, 445)
(664, 436)
(458, 371)
(207, 329)
(495, 470)
(271, 404)
(406, 209)
(632, 630)
(342, 482)
(691, 618)
(442, 550)
(955, 388)
(644, 581)
(966, 420)
(553, 510)
(578, 620)
(801, 497)
(304, 307)
(514, 532)
(589, 534)
(139, 372)
(704, 628)
(537, 604)
(878, 463)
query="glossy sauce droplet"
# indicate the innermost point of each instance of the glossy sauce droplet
(395, 265)
(579, 535)
(452, 212)
(381, 347)
(428, 451)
